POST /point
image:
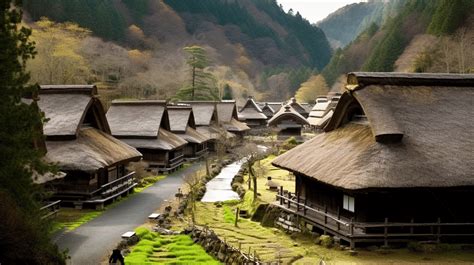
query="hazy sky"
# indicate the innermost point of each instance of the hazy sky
(315, 10)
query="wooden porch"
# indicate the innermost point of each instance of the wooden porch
(370, 232)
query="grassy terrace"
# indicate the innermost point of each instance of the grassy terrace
(160, 249)
(272, 244)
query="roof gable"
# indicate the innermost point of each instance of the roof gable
(180, 118)
(205, 113)
(137, 118)
(68, 107)
(226, 110)
(287, 113)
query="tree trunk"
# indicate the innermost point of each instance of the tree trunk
(254, 179)
(250, 175)
(194, 80)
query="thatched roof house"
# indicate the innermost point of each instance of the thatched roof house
(227, 116)
(78, 140)
(394, 140)
(183, 125)
(268, 110)
(301, 108)
(321, 113)
(252, 114)
(288, 122)
(144, 124)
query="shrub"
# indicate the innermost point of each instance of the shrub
(326, 241)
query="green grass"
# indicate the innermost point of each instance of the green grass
(159, 249)
(70, 219)
(229, 215)
(147, 182)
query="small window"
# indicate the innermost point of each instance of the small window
(348, 203)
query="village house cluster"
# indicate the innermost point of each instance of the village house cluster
(92, 149)
(391, 160)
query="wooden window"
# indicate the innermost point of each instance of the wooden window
(348, 203)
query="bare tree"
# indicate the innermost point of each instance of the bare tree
(251, 153)
(193, 183)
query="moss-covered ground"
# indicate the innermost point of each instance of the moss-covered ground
(159, 249)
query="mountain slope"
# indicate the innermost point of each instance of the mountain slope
(379, 47)
(245, 39)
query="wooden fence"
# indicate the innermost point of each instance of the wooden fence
(352, 232)
(50, 209)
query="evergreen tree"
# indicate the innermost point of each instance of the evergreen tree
(202, 84)
(227, 93)
(24, 237)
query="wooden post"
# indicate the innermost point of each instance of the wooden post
(338, 218)
(351, 232)
(297, 203)
(438, 232)
(254, 255)
(281, 195)
(304, 210)
(325, 214)
(237, 211)
(385, 233)
(411, 227)
(289, 197)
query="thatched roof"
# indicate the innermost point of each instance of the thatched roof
(193, 136)
(180, 117)
(418, 134)
(298, 107)
(268, 110)
(321, 113)
(227, 114)
(205, 113)
(137, 118)
(213, 132)
(66, 106)
(288, 115)
(90, 151)
(182, 124)
(251, 111)
(166, 140)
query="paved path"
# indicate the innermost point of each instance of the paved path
(93, 241)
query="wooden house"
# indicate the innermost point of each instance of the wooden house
(228, 119)
(268, 110)
(144, 124)
(183, 125)
(78, 140)
(288, 122)
(394, 163)
(301, 108)
(321, 113)
(207, 123)
(252, 114)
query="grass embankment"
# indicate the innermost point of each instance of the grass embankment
(160, 249)
(272, 244)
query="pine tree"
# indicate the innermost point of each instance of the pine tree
(202, 84)
(227, 93)
(24, 238)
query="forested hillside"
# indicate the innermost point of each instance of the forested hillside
(255, 47)
(416, 38)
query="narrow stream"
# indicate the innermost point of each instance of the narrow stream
(219, 188)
